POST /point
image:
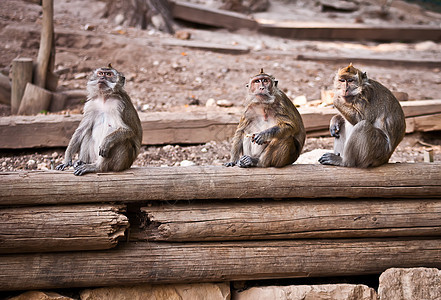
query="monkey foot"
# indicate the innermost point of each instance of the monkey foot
(331, 159)
(247, 161)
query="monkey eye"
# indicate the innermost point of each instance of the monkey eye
(350, 80)
(109, 74)
(100, 73)
(341, 80)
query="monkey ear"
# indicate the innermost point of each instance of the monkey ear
(276, 82)
(247, 85)
(110, 66)
(123, 80)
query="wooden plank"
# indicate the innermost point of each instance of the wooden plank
(135, 263)
(221, 48)
(61, 228)
(423, 123)
(219, 221)
(382, 60)
(211, 16)
(325, 31)
(161, 128)
(404, 180)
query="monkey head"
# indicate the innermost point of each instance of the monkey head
(105, 80)
(349, 82)
(261, 88)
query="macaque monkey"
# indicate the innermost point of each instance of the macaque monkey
(270, 132)
(370, 124)
(109, 135)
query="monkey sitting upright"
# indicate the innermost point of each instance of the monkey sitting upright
(270, 132)
(109, 135)
(370, 125)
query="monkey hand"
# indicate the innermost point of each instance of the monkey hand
(230, 164)
(260, 138)
(335, 130)
(63, 166)
(104, 150)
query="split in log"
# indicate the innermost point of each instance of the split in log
(35, 100)
(135, 263)
(291, 220)
(61, 228)
(5, 89)
(161, 128)
(21, 76)
(403, 180)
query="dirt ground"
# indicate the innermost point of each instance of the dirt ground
(161, 77)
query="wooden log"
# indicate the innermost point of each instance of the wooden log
(161, 128)
(404, 180)
(21, 76)
(5, 90)
(46, 52)
(201, 14)
(135, 263)
(382, 60)
(291, 220)
(236, 49)
(423, 123)
(324, 31)
(61, 228)
(58, 101)
(35, 100)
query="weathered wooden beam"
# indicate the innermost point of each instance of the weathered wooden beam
(221, 48)
(320, 31)
(61, 228)
(211, 16)
(423, 123)
(161, 128)
(151, 262)
(220, 221)
(217, 182)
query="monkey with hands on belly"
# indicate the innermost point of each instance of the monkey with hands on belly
(109, 135)
(270, 132)
(370, 125)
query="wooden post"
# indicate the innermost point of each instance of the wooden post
(5, 90)
(35, 100)
(21, 76)
(46, 53)
(58, 102)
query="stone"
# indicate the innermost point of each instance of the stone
(212, 291)
(311, 157)
(300, 100)
(187, 163)
(37, 295)
(224, 103)
(309, 292)
(412, 283)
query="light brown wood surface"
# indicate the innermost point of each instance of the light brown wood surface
(339, 218)
(61, 228)
(151, 262)
(21, 76)
(404, 180)
(35, 100)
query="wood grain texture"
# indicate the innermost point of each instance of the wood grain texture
(339, 218)
(177, 128)
(150, 262)
(21, 76)
(61, 228)
(405, 180)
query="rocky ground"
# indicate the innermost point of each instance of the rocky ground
(168, 78)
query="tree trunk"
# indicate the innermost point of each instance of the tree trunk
(141, 13)
(46, 53)
(61, 228)
(403, 180)
(35, 100)
(217, 221)
(151, 262)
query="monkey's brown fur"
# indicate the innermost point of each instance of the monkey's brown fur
(109, 135)
(370, 125)
(270, 132)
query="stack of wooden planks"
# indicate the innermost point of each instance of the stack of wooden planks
(201, 224)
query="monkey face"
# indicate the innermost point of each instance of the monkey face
(105, 80)
(348, 82)
(261, 87)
